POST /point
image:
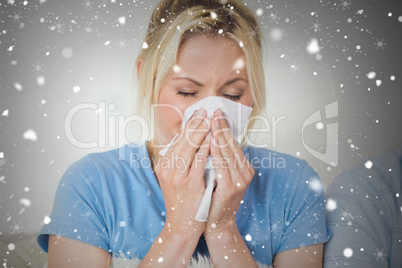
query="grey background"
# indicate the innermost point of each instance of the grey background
(47, 48)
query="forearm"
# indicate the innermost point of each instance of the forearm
(171, 249)
(228, 249)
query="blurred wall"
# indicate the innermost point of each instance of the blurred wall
(55, 55)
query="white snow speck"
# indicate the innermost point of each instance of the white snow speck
(122, 224)
(220, 31)
(371, 75)
(1, 155)
(40, 80)
(392, 78)
(400, 18)
(17, 86)
(160, 240)
(122, 20)
(160, 260)
(259, 12)
(331, 204)
(145, 45)
(2, 177)
(313, 47)
(67, 52)
(239, 64)
(226, 257)
(213, 15)
(348, 252)
(315, 185)
(42, 1)
(76, 89)
(176, 68)
(368, 164)
(5, 113)
(163, 20)
(276, 34)
(248, 237)
(107, 43)
(26, 202)
(30, 135)
(11, 246)
(10, 48)
(26, 189)
(390, 14)
(378, 82)
(47, 220)
(360, 11)
(241, 44)
(319, 125)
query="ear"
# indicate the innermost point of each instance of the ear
(140, 63)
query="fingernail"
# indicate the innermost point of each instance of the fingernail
(220, 112)
(200, 111)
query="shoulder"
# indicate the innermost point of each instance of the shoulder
(104, 164)
(281, 179)
(275, 164)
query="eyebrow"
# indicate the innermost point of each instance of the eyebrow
(200, 84)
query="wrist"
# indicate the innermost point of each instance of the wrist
(186, 232)
(222, 234)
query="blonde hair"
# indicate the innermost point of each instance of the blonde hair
(171, 24)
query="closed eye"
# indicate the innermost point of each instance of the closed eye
(186, 94)
(232, 97)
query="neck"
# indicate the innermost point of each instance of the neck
(153, 153)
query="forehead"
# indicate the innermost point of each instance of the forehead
(211, 57)
(209, 49)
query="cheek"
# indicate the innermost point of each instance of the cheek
(248, 100)
(169, 112)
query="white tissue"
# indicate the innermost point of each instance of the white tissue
(236, 116)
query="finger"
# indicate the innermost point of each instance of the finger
(239, 168)
(222, 124)
(194, 136)
(200, 159)
(221, 170)
(194, 127)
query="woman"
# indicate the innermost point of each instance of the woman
(107, 206)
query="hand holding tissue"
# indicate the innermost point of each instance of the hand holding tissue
(236, 116)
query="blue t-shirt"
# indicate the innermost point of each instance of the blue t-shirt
(112, 200)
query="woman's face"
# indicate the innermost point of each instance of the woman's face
(206, 66)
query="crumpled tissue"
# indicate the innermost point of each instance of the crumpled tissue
(236, 116)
